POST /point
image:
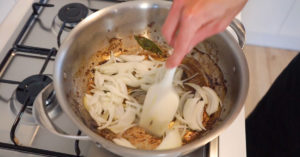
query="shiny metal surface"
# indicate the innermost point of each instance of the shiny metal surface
(240, 31)
(42, 118)
(214, 148)
(133, 17)
(52, 109)
(35, 136)
(19, 66)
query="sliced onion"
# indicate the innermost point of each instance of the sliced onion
(182, 128)
(172, 140)
(117, 100)
(198, 113)
(177, 78)
(114, 90)
(178, 74)
(144, 67)
(123, 142)
(119, 111)
(128, 79)
(98, 80)
(179, 90)
(148, 80)
(199, 90)
(94, 107)
(134, 104)
(183, 99)
(112, 57)
(110, 92)
(189, 113)
(87, 100)
(111, 112)
(124, 121)
(145, 87)
(193, 113)
(189, 78)
(122, 86)
(132, 58)
(179, 118)
(108, 69)
(213, 100)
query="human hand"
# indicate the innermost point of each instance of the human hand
(191, 21)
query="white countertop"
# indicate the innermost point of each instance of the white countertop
(232, 142)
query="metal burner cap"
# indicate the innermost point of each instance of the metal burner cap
(31, 87)
(73, 13)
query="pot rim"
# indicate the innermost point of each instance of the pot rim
(62, 99)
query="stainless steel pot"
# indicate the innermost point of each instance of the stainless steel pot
(118, 21)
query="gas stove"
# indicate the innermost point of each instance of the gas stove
(26, 67)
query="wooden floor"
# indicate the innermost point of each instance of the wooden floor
(265, 64)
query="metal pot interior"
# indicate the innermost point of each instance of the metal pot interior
(121, 21)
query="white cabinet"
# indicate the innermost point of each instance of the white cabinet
(274, 23)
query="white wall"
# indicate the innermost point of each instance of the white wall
(274, 23)
(5, 7)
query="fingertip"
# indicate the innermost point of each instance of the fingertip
(165, 32)
(174, 60)
(170, 64)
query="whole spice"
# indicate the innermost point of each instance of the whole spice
(147, 44)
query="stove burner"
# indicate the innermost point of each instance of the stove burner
(31, 87)
(73, 13)
(68, 17)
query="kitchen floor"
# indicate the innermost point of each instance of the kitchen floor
(265, 64)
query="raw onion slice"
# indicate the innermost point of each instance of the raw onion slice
(199, 91)
(198, 114)
(111, 112)
(193, 113)
(124, 121)
(131, 58)
(213, 100)
(183, 99)
(189, 113)
(112, 106)
(123, 142)
(172, 140)
(100, 80)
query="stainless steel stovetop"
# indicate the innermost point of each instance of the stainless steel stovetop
(35, 47)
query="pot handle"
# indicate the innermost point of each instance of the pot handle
(239, 29)
(42, 118)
